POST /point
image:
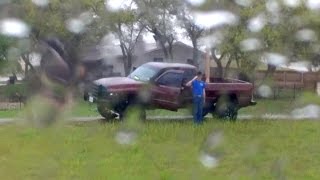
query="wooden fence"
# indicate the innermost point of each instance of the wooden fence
(280, 80)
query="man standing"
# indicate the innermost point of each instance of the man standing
(199, 95)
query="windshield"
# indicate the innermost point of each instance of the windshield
(143, 73)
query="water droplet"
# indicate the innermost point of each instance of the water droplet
(250, 44)
(265, 91)
(292, 3)
(213, 140)
(14, 27)
(126, 137)
(301, 66)
(115, 5)
(311, 111)
(196, 2)
(313, 4)
(306, 35)
(275, 59)
(4, 2)
(215, 19)
(35, 58)
(257, 23)
(75, 25)
(86, 17)
(244, 3)
(212, 40)
(208, 161)
(273, 6)
(41, 3)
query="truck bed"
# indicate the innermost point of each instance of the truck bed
(218, 84)
(240, 89)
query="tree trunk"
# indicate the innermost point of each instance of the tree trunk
(162, 40)
(164, 49)
(226, 70)
(129, 64)
(124, 59)
(195, 53)
(219, 69)
(170, 51)
(26, 69)
(25, 58)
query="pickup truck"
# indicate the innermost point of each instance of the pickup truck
(157, 85)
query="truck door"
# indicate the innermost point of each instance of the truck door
(167, 90)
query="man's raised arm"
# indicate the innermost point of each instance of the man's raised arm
(190, 82)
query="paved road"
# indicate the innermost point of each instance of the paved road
(4, 121)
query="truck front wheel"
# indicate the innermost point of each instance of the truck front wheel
(105, 112)
(226, 108)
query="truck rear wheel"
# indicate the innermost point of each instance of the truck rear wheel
(226, 108)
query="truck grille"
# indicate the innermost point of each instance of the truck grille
(94, 90)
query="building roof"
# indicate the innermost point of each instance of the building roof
(169, 65)
(177, 43)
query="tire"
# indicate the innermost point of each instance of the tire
(105, 112)
(226, 108)
(129, 106)
(208, 107)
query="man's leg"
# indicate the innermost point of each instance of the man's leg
(200, 110)
(195, 109)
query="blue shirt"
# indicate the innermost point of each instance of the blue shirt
(198, 87)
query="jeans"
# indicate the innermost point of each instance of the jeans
(197, 109)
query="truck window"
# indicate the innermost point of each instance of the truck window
(171, 79)
(189, 74)
(143, 73)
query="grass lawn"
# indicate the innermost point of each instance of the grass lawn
(163, 150)
(9, 113)
(264, 106)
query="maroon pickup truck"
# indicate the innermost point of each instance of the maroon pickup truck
(162, 85)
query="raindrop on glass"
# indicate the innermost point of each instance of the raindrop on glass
(208, 161)
(41, 3)
(275, 59)
(311, 111)
(273, 6)
(292, 3)
(264, 91)
(251, 44)
(306, 35)
(4, 2)
(86, 17)
(196, 2)
(244, 3)
(75, 25)
(215, 19)
(257, 23)
(14, 27)
(126, 137)
(313, 4)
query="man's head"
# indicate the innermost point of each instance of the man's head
(199, 75)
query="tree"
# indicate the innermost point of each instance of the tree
(75, 22)
(126, 25)
(159, 19)
(193, 31)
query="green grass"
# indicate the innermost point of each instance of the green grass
(9, 113)
(167, 150)
(264, 106)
